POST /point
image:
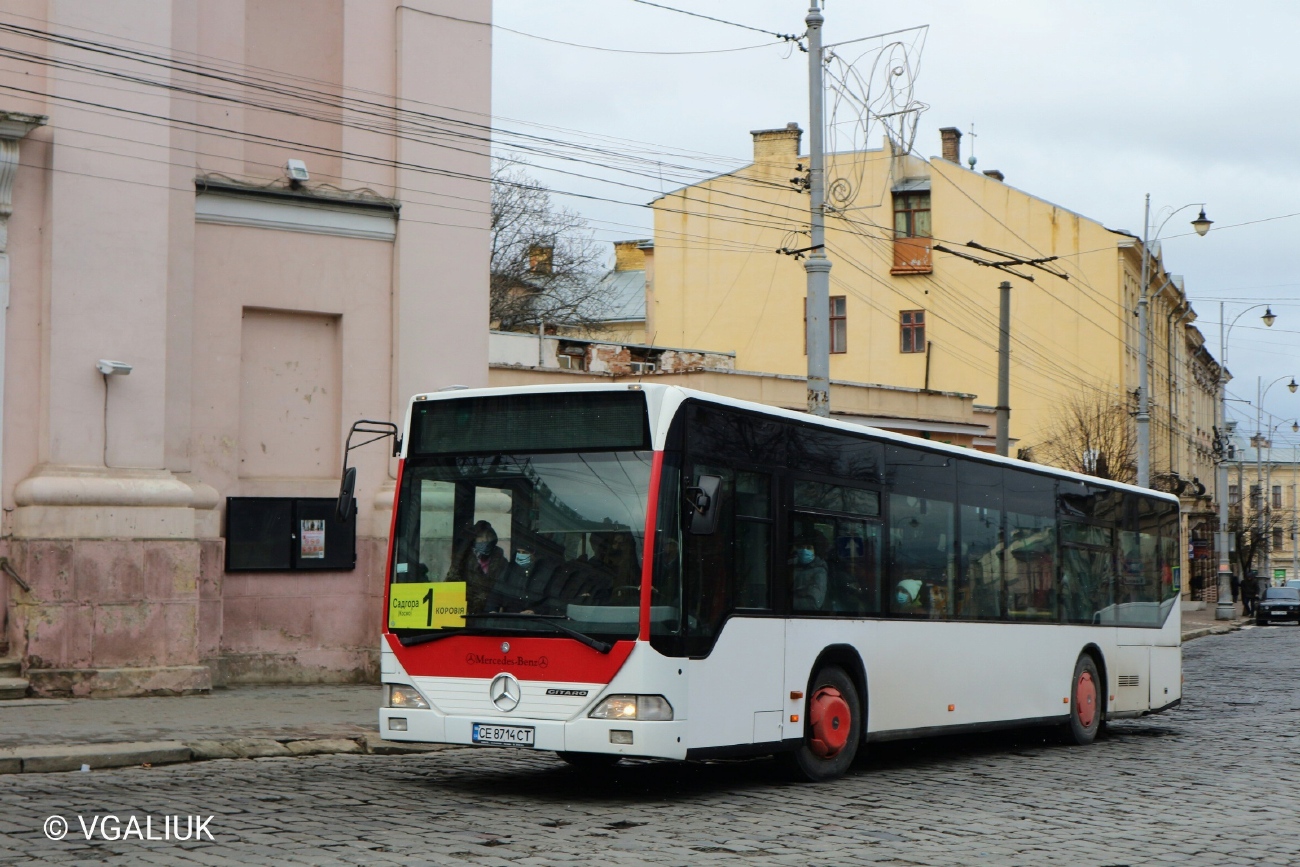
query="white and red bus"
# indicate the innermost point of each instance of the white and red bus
(643, 570)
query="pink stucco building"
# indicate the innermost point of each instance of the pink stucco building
(150, 221)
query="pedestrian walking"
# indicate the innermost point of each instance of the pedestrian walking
(1250, 592)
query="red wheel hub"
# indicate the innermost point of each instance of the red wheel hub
(1085, 699)
(830, 720)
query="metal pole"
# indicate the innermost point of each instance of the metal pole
(1259, 472)
(817, 266)
(1295, 511)
(1268, 492)
(1004, 367)
(1143, 414)
(1223, 610)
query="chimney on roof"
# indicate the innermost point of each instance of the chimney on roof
(951, 138)
(995, 174)
(779, 146)
(630, 255)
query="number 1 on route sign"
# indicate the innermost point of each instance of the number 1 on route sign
(434, 605)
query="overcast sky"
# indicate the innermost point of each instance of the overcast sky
(1089, 106)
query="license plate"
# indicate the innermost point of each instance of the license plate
(503, 736)
(1280, 613)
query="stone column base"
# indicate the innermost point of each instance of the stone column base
(118, 682)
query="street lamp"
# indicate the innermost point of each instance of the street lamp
(1224, 610)
(1202, 225)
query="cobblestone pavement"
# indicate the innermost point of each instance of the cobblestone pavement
(1215, 782)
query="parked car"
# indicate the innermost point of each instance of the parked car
(1293, 583)
(1278, 603)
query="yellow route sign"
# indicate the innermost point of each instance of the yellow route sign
(426, 606)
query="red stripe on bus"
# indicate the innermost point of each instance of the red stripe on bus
(558, 659)
(392, 540)
(648, 546)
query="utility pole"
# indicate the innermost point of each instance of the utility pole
(1223, 609)
(1004, 368)
(1144, 405)
(1295, 511)
(817, 266)
(1260, 526)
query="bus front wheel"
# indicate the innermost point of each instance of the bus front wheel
(1087, 709)
(832, 728)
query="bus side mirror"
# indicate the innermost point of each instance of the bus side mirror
(346, 487)
(705, 505)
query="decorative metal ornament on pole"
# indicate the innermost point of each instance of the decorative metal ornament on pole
(817, 266)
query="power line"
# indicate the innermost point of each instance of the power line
(786, 36)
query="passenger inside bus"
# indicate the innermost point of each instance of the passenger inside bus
(526, 581)
(478, 562)
(809, 573)
(615, 563)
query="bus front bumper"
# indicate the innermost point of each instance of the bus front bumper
(665, 740)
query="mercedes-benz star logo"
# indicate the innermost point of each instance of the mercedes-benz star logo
(504, 692)
(505, 647)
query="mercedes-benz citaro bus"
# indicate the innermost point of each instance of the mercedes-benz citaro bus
(643, 570)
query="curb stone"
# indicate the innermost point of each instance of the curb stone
(1222, 629)
(72, 757)
(52, 758)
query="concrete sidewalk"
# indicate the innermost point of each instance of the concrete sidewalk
(1198, 624)
(245, 722)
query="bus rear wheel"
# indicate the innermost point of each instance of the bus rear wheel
(590, 761)
(832, 728)
(1087, 710)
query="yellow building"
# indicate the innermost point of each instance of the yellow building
(906, 312)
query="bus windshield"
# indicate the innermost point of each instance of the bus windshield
(484, 539)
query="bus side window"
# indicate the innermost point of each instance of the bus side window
(922, 538)
(1030, 546)
(979, 592)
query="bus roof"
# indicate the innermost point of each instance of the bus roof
(665, 399)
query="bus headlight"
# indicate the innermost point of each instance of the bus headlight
(637, 707)
(406, 696)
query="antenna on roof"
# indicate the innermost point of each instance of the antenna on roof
(971, 159)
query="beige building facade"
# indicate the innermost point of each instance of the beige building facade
(244, 202)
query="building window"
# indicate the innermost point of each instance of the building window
(1277, 496)
(912, 330)
(1277, 538)
(839, 326)
(1234, 495)
(912, 233)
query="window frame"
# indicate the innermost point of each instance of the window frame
(914, 328)
(830, 326)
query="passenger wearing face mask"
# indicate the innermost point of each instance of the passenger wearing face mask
(809, 574)
(909, 596)
(480, 563)
(523, 587)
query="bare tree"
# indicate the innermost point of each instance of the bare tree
(1253, 530)
(545, 264)
(1092, 433)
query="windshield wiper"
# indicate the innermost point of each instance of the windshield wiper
(426, 637)
(593, 643)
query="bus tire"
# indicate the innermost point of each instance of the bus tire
(832, 728)
(1087, 708)
(590, 761)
